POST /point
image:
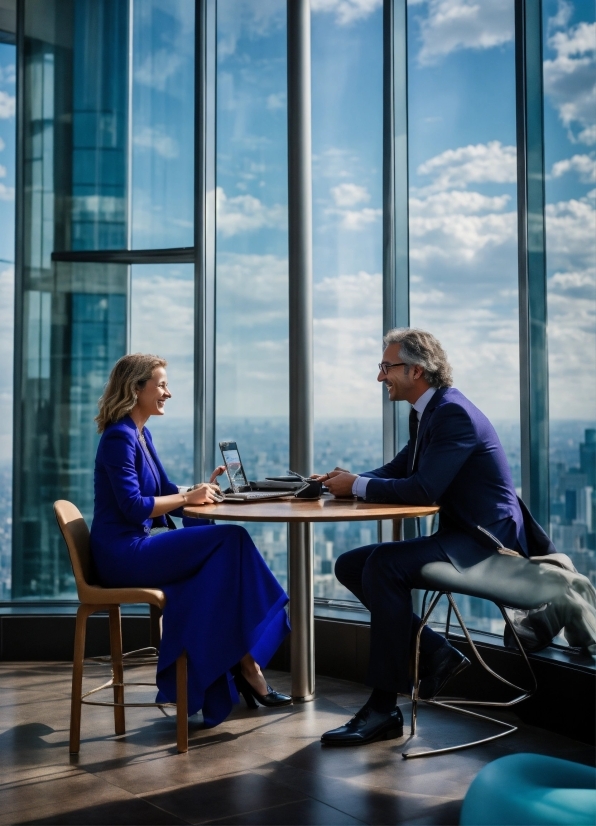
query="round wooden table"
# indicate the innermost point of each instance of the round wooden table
(300, 514)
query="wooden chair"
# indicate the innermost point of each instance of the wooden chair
(94, 598)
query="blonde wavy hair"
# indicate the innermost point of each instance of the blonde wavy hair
(129, 374)
(422, 348)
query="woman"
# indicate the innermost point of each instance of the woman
(224, 606)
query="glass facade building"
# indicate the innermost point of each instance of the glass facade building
(453, 190)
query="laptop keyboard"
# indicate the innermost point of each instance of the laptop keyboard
(242, 497)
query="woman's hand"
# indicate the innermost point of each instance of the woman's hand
(219, 471)
(203, 494)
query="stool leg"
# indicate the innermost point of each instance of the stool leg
(77, 677)
(182, 704)
(117, 669)
(154, 629)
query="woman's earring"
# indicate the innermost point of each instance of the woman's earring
(135, 397)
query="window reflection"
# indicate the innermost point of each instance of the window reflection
(7, 182)
(162, 318)
(463, 220)
(570, 134)
(252, 246)
(347, 123)
(162, 123)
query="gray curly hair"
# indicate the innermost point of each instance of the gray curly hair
(422, 348)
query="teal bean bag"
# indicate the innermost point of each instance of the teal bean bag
(529, 789)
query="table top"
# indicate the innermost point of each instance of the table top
(325, 509)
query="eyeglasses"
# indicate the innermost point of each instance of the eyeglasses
(384, 366)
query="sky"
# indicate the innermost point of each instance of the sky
(462, 200)
(463, 231)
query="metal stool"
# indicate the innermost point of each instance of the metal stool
(94, 598)
(509, 580)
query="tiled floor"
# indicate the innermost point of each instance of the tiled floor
(262, 767)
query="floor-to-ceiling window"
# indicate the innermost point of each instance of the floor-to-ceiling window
(251, 363)
(569, 73)
(347, 145)
(109, 161)
(463, 218)
(7, 184)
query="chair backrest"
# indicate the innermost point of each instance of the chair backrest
(76, 535)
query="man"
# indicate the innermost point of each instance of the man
(454, 459)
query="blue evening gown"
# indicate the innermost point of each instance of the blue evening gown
(222, 599)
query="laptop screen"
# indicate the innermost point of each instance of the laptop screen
(233, 463)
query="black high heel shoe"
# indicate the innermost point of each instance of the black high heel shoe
(270, 700)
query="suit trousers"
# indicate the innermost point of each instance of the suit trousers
(382, 576)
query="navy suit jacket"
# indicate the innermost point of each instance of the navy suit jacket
(126, 484)
(460, 465)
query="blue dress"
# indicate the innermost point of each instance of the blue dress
(222, 599)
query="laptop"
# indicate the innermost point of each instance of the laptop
(241, 491)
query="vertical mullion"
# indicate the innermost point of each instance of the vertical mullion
(396, 273)
(300, 237)
(532, 259)
(19, 301)
(204, 237)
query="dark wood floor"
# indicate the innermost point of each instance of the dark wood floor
(261, 767)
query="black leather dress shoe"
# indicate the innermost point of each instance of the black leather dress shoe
(364, 727)
(443, 665)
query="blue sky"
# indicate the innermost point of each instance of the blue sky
(463, 201)
(463, 193)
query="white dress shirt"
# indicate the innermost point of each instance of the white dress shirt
(360, 483)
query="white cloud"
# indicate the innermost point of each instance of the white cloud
(244, 213)
(162, 322)
(457, 201)
(347, 327)
(355, 220)
(2, 168)
(252, 334)
(6, 192)
(245, 18)
(347, 195)
(276, 101)
(483, 163)
(8, 74)
(155, 138)
(347, 11)
(562, 17)
(158, 68)
(8, 105)
(569, 79)
(570, 242)
(452, 25)
(572, 343)
(583, 165)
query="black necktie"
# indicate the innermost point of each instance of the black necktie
(413, 426)
(413, 437)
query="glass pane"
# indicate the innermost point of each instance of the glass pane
(570, 135)
(347, 105)
(162, 318)
(7, 182)
(162, 123)
(252, 246)
(463, 220)
(75, 323)
(75, 127)
(98, 61)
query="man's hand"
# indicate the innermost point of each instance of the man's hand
(339, 482)
(322, 477)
